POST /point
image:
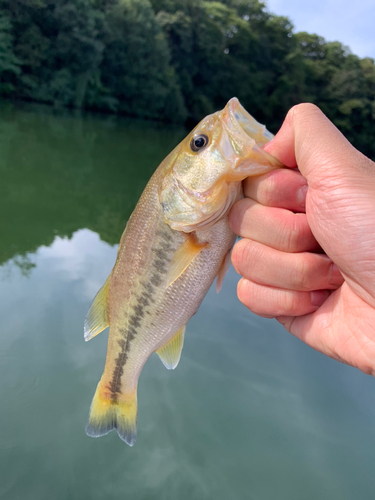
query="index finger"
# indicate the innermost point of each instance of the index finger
(281, 188)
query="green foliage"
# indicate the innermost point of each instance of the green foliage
(135, 67)
(9, 63)
(343, 86)
(178, 60)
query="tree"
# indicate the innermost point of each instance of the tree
(9, 63)
(135, 68)
(178, 60)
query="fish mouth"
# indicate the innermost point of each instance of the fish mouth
(239, 117)
(247, 137)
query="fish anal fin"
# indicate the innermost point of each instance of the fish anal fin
(97, 319)
(183, 257)
(223, 271)
(170, 353)
(107, 414)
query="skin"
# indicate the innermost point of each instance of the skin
(307, 256)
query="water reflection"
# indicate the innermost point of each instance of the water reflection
(61, 173)
(250, 412)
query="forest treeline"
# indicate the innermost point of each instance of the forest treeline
(179, 60)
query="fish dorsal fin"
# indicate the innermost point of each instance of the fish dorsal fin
(170, 353)
(97, 320)
(184, 256)
(223, 271)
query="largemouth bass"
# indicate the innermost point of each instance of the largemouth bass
(176, 242)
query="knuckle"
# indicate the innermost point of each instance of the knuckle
(249, 252)
(292, 240)
(245, 255)
(245, 294)
(304, 109)
(267, 191)
(236, 256)
(249, 295)
(304, 277)
(292, 235)
(289, 303)
(239, 254)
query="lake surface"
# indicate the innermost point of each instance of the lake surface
(249, 413)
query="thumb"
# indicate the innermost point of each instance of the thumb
(309, 140)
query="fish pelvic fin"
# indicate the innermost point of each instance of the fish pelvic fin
(97, 319)
(183, 257)
(107, 413)
(170, 353)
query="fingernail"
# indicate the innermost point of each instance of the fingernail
(301, 195)
(319, 297)
(335, 277)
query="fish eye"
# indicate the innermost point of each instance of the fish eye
(198, 142)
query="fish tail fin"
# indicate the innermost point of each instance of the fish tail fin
(107, 413)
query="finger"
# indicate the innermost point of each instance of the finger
(273, 302)
(309, 139)
(301, 271)
(282, 145)
(280, 188)
(341, 184)
(340, 339)
(275, 227)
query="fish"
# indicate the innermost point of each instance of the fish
(176, 242)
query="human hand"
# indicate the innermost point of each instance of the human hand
(327, 300)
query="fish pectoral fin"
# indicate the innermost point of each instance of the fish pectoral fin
(96, 319)
(170, 353)
(184, 256)
(223, 271)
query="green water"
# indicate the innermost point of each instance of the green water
(250, 412)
